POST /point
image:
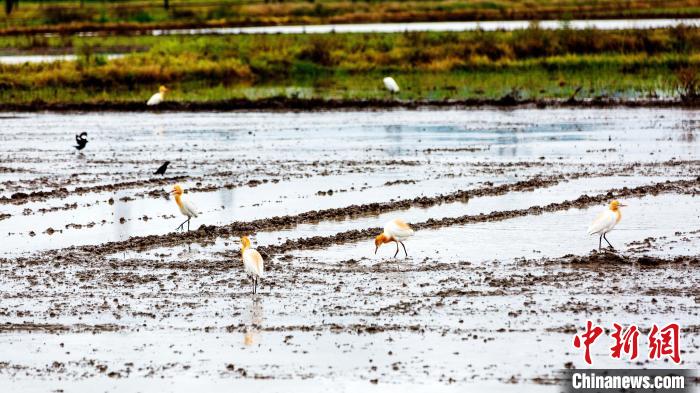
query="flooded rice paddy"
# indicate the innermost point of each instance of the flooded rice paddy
(600, 24)
(99, 293)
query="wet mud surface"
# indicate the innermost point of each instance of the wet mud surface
(99, 292)
(318, 104)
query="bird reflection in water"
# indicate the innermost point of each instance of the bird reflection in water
(255, 316)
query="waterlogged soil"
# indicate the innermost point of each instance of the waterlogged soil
(284, 104)
(100, 293)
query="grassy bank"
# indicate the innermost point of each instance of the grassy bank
(529, 64)
(63, 16)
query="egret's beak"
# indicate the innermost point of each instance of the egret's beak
(172, 192)
(621, 205)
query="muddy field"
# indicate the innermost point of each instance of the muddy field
(100, 294)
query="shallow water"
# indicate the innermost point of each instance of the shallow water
(617, 24)
(337, 316)
(549, 235)
(15, 59)
(367, 153)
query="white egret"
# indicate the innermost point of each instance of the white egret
(252, 262)
(605, 222)
(187, 208)
(391, 85)
(158, 97)
(396, 231)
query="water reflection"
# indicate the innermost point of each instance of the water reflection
(122, 216)
(226, 197)
(255, 317)
(688, 129)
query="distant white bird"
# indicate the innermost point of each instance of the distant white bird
(605, 222)
(391, 85)
(252, 262)
(187, 208)
(158, 97)
(395, 230)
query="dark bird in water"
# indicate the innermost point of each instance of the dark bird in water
(162, 169)
(81, 141)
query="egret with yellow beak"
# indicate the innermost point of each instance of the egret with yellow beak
(187, 208)
(396, 231)
(252, 262)
(158, 97)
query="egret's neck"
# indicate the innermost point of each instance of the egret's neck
(178, 199)
(618, 215)
(243, 248)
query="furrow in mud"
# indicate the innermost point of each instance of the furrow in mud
(205, 233)
(210, 233)
(319, 105)
(680, 186)
(19, 198)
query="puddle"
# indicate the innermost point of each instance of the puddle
(616, 24)
(24, 59)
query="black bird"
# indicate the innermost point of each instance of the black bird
(162, 169)
(81, 140)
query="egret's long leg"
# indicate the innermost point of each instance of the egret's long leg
(256, 285)
(181, 225)
(404, 248)
(397, 249)
(188, 224)
(600, 242)
(606, 239)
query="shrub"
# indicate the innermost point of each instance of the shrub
(687, 83)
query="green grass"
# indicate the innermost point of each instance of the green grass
(530, 64)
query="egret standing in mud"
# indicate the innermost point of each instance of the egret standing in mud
(391, 85)
(158, 97)
(396, 231)
(252, 262)
(605, 222)
(187, 208)
(81, 140)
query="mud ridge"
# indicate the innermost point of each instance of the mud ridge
(580, 202)
(19, 198)
(317, 104)
(53, 328)
(210, 233)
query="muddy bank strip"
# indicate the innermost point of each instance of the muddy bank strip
(55, 328)
(317, 104)
(19, 198)
(680, 186)
(210, 233)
